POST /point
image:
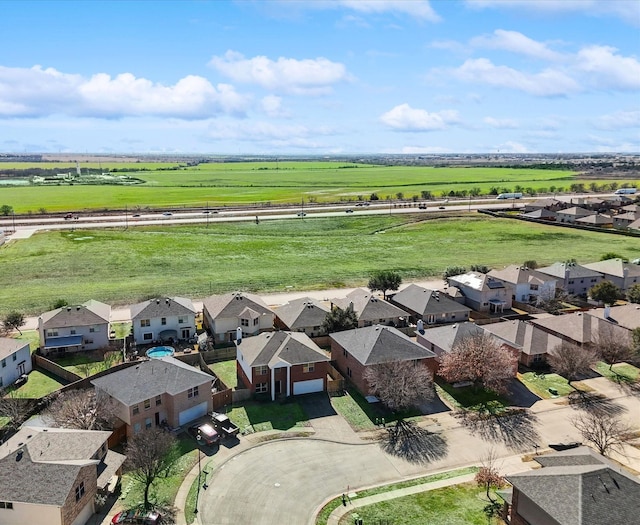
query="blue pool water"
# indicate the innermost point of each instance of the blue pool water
(160, 351)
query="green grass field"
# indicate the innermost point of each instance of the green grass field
(261, 182)
(123, 267)
(226, 371)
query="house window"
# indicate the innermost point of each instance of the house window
(158, 400)
(73, 331)
(147, 423)
(348, 371)
(147, 337)
(261, 388)
(14, 357)
(344, 352)
(92, 329)
(135, 410)
(4, 363)
(244, 322)
(88, 341)
(534, 287)
(145, 322)
(52, 332)
(308, 367)
(163, 321)
(261, 370)
(1, 381)
(537, 358)
(80, 491)
(192, 392)
(6, 505)
(136, 428)
(147, 404)
(594, 280)
(571, 281)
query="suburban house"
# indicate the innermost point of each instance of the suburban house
(635, 225)
(624, 220)
(281, 363)
(623, 274)
(157, 392)
(573, 487)
(353, 351)
(550, 204)
(302, 315)
(528, 286)
(164, 319)
(15, 360)
(572, 277)
(482, 292)
(3, 237)
(430, 306)
(371, 309)
(534, 344)
(598, 219)
(52, 475)
(570, 215)
(75, 328)
(579, 328)
(540, 215)
(444, 339)
(224, 314)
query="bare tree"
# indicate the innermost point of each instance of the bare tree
(14, 408)
(488, 475)
(400, 384)
(603, 430)
(482, 360)
(151, 454)
(571, 361)
(81, 409)
(613, 345)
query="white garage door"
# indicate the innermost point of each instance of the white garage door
(307, 387)
(192, 413)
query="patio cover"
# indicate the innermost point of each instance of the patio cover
(60, 342)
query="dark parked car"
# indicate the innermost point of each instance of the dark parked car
(224, 425)
(205, 434)
(565, 446)
(21, 380)
(140, 517)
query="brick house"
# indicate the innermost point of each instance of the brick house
(51, 475)
(157, 391)
(371, 309)
(353, 351)
(164, 319)
(281, 363)
(430, 306)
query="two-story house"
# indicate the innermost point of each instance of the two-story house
(623, 274)
(164, 319)
(528, 286)
(573, 278)
(371, 309)
(482, 292)
(15, 360)
(302, 315)
(429, 306)
(75, 328)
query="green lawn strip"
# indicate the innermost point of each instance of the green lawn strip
(469, 398)
(453, 505)
(255, 416)
(540, 383)
(326, 511)
(226, 371)
(163, 490)
(121, 329)
(124, 267)
(39, 385)
(621, 371)
(192, 496)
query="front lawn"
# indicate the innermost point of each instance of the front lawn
(470, 398)
(40, 384)
(457, 504)
(622, 372)
(540, 383)
(254, 416)
(226, 372)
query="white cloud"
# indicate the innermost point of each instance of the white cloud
(512, 147)
(406, 118)
(301, 77)
(504, 123)
(271, 105)
(448, 45)
(37, 92)
(619, 120)
(420, 9)
(606, 69)
(547, 83)
(516, 42)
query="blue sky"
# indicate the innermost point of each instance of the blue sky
(320, 77)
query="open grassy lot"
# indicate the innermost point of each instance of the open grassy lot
(469, 398)
(282, 182)
(123, 267)
(254, 416)
(620, 372)
(454, 505)
(226, 371)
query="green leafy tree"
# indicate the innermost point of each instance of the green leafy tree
(59, 303)
(611, 255)
(426, 195)
(633, 294)
(475, 191)
(384, 280)
(605, 291)
(531, 264)
(5, 209)
(338, 320)
(450, 271)
(13, 321)
(374, 197)
(480, 268)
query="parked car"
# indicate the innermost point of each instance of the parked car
(565, 446)
(137, 516)
(224, 425)
(205, 434)
(21, 380)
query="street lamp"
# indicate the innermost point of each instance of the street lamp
(195, 510)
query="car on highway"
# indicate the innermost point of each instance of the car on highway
(137, 516)
(302, 214)
(135, 215)
(422, 206)
(349, 211)
(441, 208)
(167, 214)
(205, 434)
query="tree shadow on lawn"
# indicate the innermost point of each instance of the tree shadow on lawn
(515, 427)
(415, 444)
(594, 403)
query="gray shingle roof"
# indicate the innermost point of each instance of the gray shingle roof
(368, 307)
(373, 345)
(447, 337)
(615, 267)
(627, 316)
(302, 313)
(86, 314)
(233, 304)
(575, 271)
(427, 302)
(515, 274)
(579, 490)
(530, 338)
(149, 379)
(162, 307)
(268, 348)
(9, 346)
